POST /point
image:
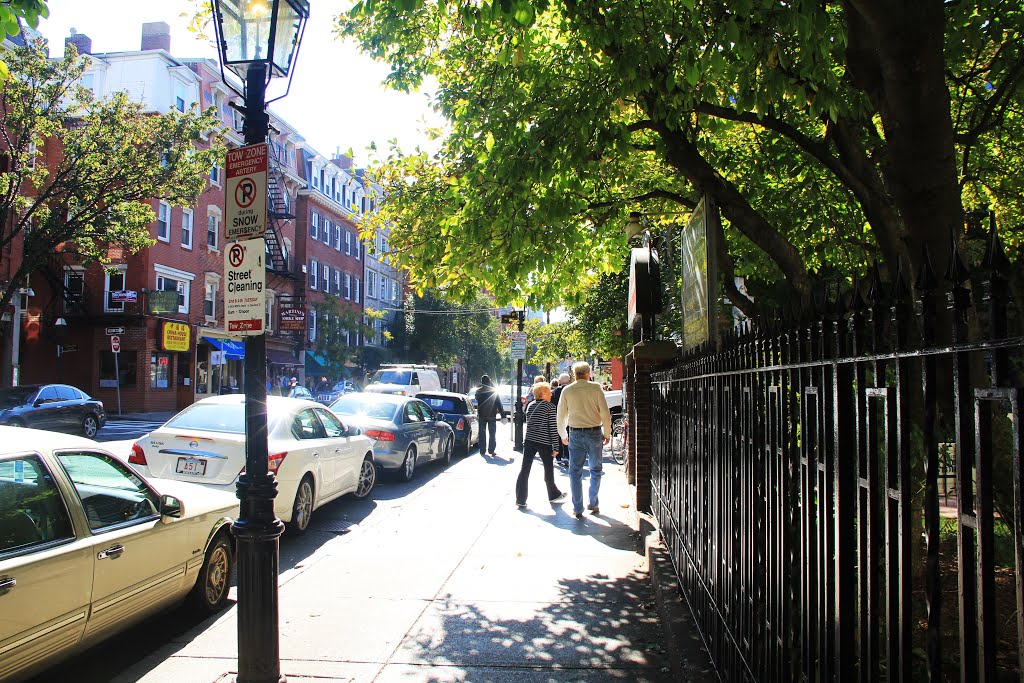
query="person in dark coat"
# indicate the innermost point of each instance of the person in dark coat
(488, 408)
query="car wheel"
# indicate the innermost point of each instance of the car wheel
(446, 450)
(16, 423)
(302, 508)
(408, 469)
(367, 478)
(90, 425)
(210, 593)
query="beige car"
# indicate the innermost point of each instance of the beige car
(88, 547)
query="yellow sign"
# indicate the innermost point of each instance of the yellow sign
(175, 337)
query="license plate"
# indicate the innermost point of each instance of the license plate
(191, 466)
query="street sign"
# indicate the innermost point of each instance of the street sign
(115, 330)
(518, 346)
(512, 318)
(245, 304)
(293, 319)
(245, 192)
(115, 344)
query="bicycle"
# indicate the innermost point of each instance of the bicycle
(617, 443)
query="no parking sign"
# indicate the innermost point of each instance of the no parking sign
(245, 192)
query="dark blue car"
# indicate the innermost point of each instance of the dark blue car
(457, 410)
(54, 407)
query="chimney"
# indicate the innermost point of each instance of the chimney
(156, 35)
(81, 42)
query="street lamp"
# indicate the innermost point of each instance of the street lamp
(258, 40)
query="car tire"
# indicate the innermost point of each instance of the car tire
(367, 478)
(210, 594)
(447, 450)
(16, 423)
(90, 425)
(302, 508)
(408, 469)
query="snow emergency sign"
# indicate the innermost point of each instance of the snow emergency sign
(245, 193)
(245, 304)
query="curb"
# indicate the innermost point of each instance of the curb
(687, 654)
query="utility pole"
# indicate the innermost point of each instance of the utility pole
(520, 417)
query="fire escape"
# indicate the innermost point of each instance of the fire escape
(70, 294)
(279, 262)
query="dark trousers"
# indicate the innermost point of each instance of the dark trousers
(488, 435)
(531, 448)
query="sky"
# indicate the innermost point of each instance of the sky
(336, 99)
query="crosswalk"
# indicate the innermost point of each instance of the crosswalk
(117, 430)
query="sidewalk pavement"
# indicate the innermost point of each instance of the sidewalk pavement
(452, 582)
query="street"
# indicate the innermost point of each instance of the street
(126, 430)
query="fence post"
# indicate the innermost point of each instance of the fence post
(648, 356)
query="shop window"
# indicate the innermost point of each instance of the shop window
(160, 370)
(126, 368)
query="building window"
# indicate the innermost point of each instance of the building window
(210, 301)
(348, 242)
(371, 284)
(169, 284)
(160, 370)
(179, 96)
(313, 273)
(359, 247)
(212, 230)
(126, 369)
(348, 286)
(163, 222)
(314, 224)
(325, 232)
(337, 281)
(271, 297)
(337, 237)
(394, 290)
(311, 325)
(215, 175)
(325, 278)
(356, 293)
(113, 282)
(186, 228)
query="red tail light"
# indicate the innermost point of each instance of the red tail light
(461, 425)
(138, 456)
(274, 462)
(379, 434)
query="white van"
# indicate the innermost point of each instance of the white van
(406, 380)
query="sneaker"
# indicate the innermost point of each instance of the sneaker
(579, 515)
(492, 454)
(520, 505)
(594, 510)
(557, 499)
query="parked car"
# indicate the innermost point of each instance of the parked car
(406, 432)
(458, 411)
(404, 380)
(88, 547)
(299, 392)
(53, 407)
(328, 392)
(314, 455)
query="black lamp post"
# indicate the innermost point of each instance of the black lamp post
(258, 40)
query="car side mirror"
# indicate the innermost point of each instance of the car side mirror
(353, 431)
(170, 507)
(38, 402)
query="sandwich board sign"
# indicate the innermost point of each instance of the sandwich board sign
(245, 192)
(245, 304)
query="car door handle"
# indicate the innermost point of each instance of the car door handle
(316, 455)
(112, 552)
(7, 583)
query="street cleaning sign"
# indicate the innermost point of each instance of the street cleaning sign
(245, 193)
(518, 346)
(245, 304)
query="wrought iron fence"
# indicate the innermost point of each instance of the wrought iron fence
(796, 479)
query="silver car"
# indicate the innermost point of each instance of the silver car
(405, 431)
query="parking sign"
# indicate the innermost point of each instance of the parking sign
(245, 192)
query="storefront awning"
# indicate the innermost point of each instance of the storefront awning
(315, 361)
(279, 357)
(233, 350)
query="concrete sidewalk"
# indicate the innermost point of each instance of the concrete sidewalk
(454, 583)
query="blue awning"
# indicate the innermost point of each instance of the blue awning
(233, 350)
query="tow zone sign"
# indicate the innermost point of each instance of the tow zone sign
(245, 305)
(245, 193)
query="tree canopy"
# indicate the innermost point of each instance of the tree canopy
(829, 134)
(79, 173)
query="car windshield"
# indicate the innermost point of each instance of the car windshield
(218, 417)
(442, 404)
(358, 405)
(393, 376)
(16, 396)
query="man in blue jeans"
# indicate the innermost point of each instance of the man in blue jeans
(585, 425)
(488, 408)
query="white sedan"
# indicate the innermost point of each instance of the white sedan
(88, 547)
(315, 457)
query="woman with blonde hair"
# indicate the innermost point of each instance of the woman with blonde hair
(541, 437)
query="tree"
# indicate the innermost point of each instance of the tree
(12, 13)
(335, 322)
(829, 134)
(441, 329)
(79, 173)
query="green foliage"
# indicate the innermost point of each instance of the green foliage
(440, 327)
(333, 321)
(600, 320)
(81, 173)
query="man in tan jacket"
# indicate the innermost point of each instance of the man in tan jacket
(584, 425)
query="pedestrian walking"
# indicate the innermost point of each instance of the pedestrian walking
(541, 438)
(488, 407)
(563, 452)
(584, 425)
